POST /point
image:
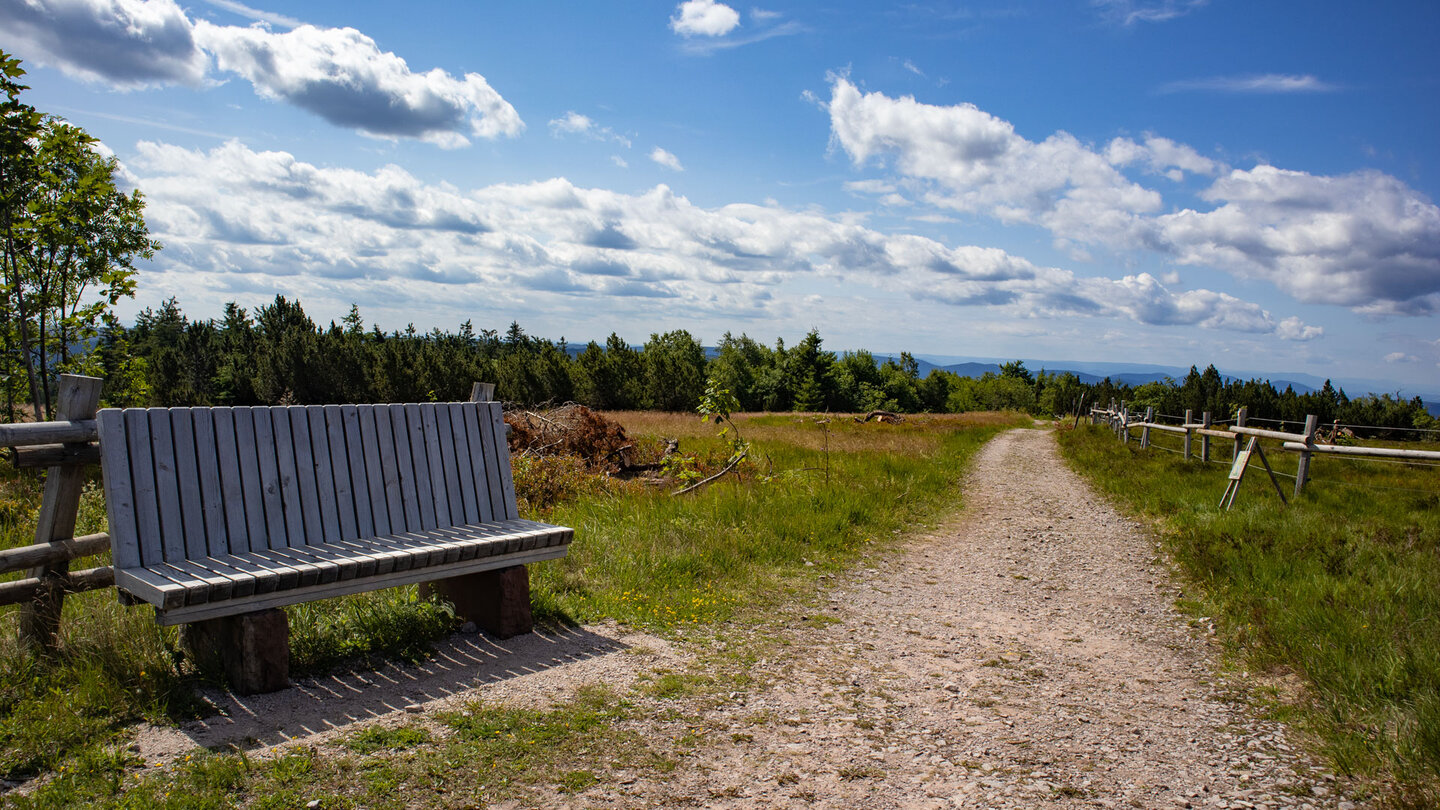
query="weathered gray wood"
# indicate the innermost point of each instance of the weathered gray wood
(187, 474)
(1302, 470)
(1366, 452)
(55, 551)
(283, 479)
(405, 467)
(289, 477)
(424, 483)
(1205, 436)
(340, 468)
(1268, 434)
(119, 489)
(378, 514)
(1189, 417)
(429, 436)
(1240, 418)
(20, 591)
(257, 517)
(475, 444)
(450, 465)
(270, 495)
(306, 475)
(493, 483)
(482, 392)
(281, 598)
(324, 474)
(460, 446)
(56, 455)
(389, 468)
(502, 462)
(212, 498)
(40, 619)
(142, 471)
(26, 434)
(167, 485)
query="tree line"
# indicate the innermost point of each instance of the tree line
(278, 355)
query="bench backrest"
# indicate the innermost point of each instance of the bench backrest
(186, 483)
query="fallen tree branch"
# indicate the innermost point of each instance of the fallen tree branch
(728, 468)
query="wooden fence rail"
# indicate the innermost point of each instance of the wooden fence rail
(1121, 420)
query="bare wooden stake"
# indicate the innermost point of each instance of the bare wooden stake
(1189, 416)
(1302, 472)
(1239, 422)
(1205, 437)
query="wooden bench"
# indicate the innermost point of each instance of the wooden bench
(229, 511)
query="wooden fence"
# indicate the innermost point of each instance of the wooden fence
(1122, 420)
(64, 448)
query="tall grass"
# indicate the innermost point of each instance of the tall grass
(1342, 588)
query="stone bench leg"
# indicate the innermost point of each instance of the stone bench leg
(251, 649)
(498, 601)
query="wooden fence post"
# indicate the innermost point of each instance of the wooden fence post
(79, 398)
(1239, 422)
(1188, 417)
(1145, 429)
(1204, 438)
(1302, 471)
(1124, 423)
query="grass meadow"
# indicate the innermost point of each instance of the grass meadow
(1337, 595)
(814, 494)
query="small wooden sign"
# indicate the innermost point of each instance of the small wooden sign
(1237, 470)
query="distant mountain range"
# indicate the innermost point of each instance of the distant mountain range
(1141, 373)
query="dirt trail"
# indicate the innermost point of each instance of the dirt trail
(1028, 655)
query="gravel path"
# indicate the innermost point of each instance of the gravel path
(1028, 655)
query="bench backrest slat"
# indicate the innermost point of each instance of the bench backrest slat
(289, 478)
(248, 458)
(355, 457)
(339, 471)
(167, 494)
(212, 499)
(198, 482)
(500, 450)
(429, 434)
(120, 507)
(405, 468)
(187, 473)
(374, 474)
(389, 468)
(305, 475)
(269, 482)
(462, 461)
(474, 449)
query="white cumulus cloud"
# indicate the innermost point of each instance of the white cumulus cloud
(125, 43)
(235, 219)
(341, 75)
(1364, 240)
(704, 18)
(666, 159)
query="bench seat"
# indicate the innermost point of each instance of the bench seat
(208, 587)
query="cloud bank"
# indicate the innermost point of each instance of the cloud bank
(1364, 240)
(234, 219)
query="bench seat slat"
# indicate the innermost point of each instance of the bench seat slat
(215, 579)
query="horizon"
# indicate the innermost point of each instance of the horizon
(1155, 180)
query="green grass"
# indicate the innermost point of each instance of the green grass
(1342, 588)
(642, 557)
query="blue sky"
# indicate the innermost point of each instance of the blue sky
(1169, 181)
